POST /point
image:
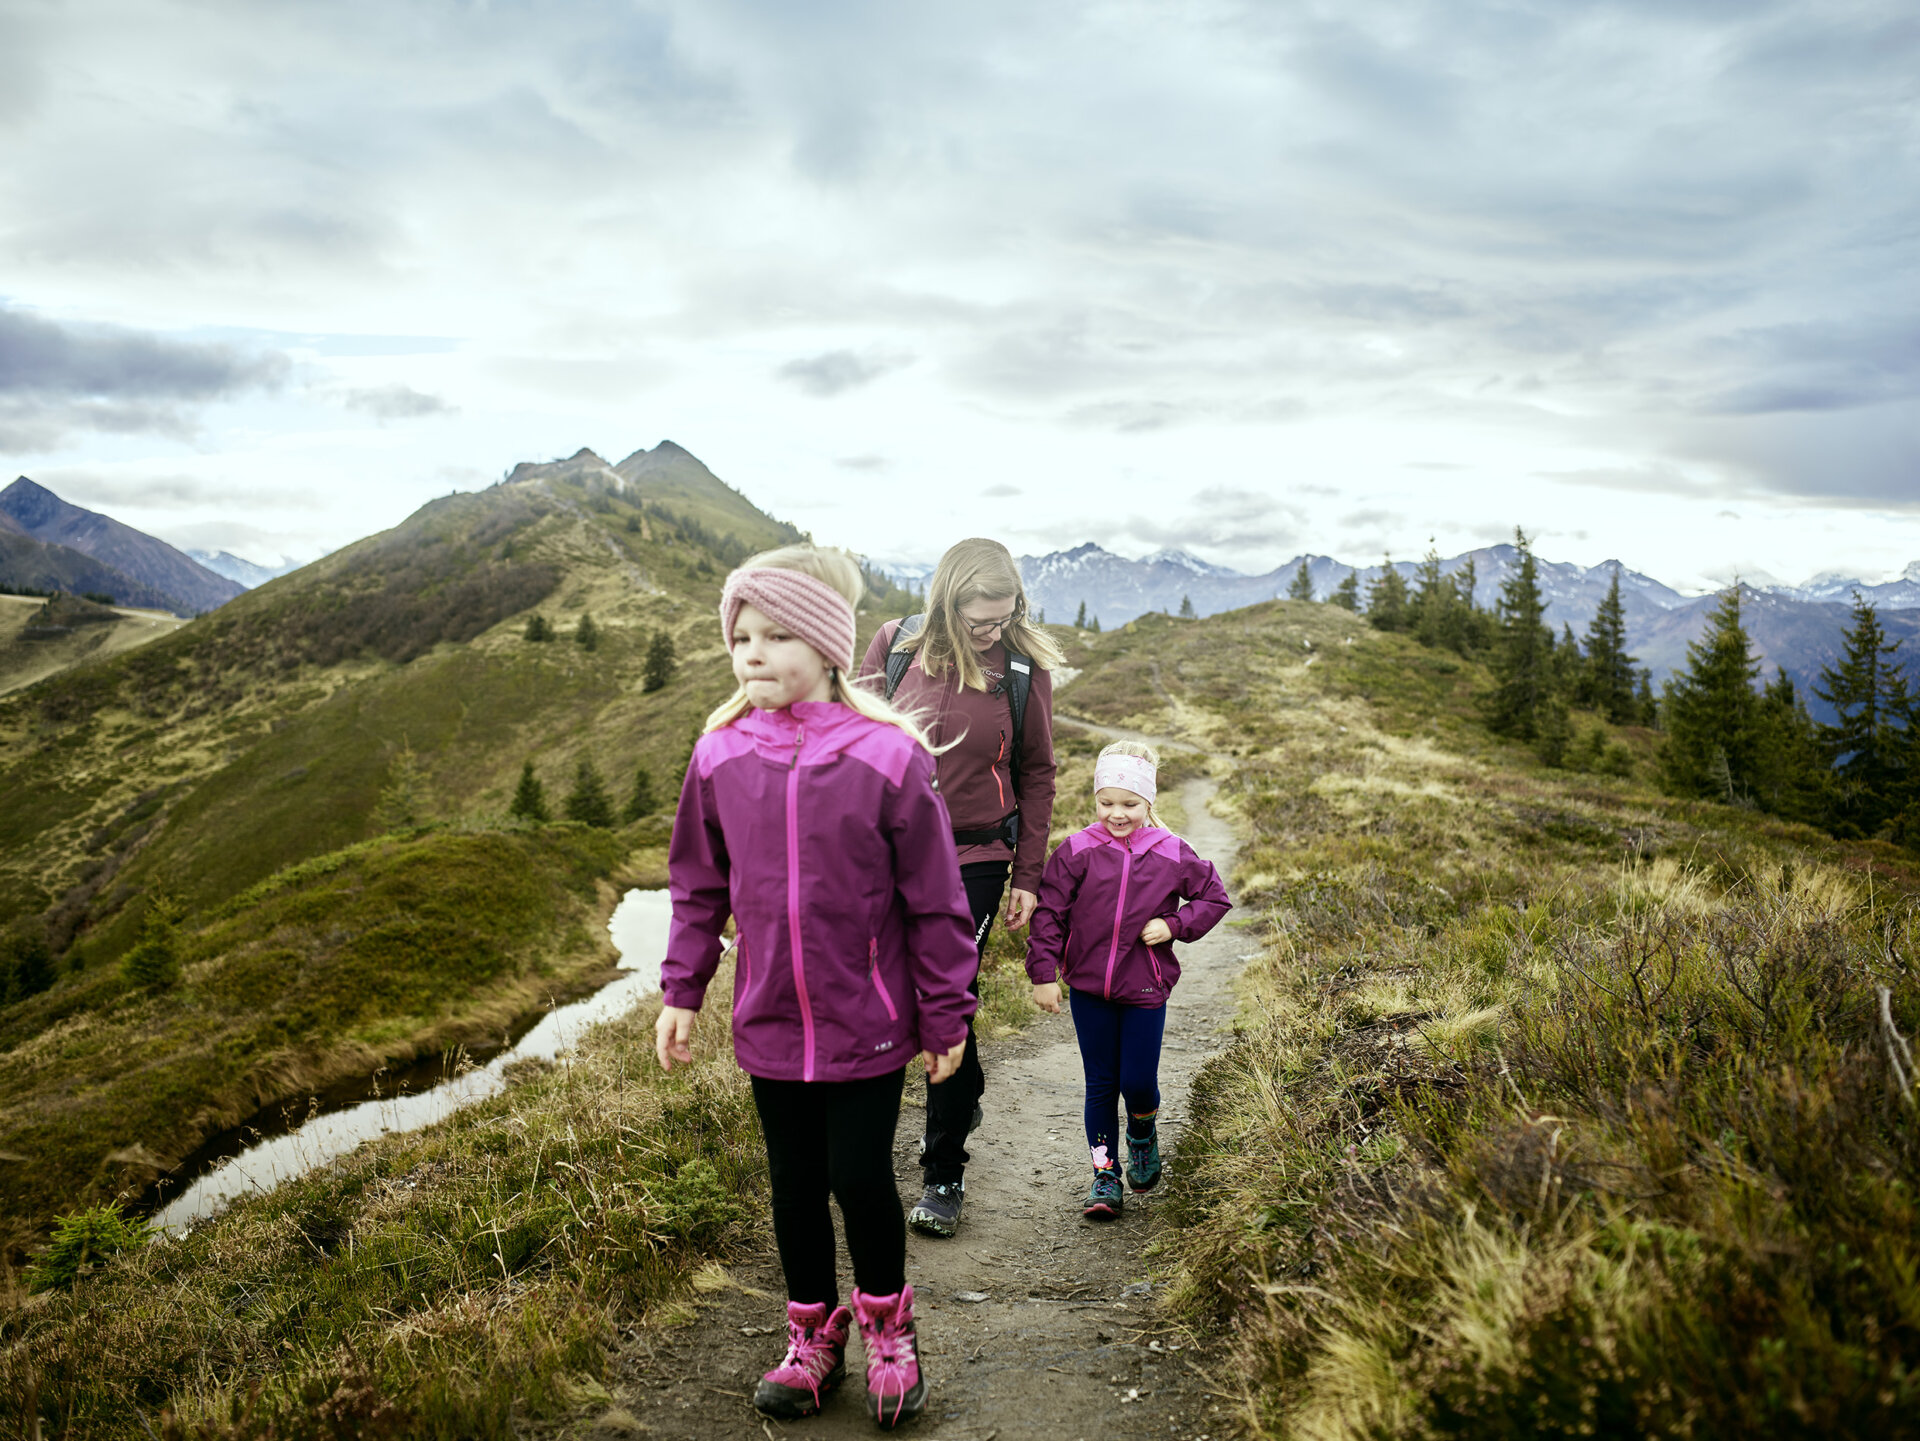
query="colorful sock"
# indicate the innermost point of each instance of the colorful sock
(1140, 1125)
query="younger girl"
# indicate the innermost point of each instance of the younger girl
(809, 814)
(1110, 909)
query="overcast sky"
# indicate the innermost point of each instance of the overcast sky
(1643, 278)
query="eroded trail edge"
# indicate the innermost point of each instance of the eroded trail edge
(1034, 1321)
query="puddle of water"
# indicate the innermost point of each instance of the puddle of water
(639, 929)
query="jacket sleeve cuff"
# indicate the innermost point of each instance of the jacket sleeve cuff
(686, 998)
(938, 1046)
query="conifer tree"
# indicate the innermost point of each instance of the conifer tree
(641, 801)
(588, 801)
(1791, 778)
(1567, 666)
(1711, 711)
(530, 799)
(1609, 678)
(1646, 710)
(1094, 625)
(537, 628)
(154, 962)
(586, 635)
(1439, 616)
(1870, 742)
(1080, 620)
(1302, 585)
(660, 662)
(1521, 650)
(1387, 605)
(1346, 595)
(26, 964)
(1186, 607)
(399, 805)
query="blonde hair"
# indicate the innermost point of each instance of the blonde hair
(841, 571)
(976, 569)
(1139, 750)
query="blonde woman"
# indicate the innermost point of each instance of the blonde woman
(975, 669)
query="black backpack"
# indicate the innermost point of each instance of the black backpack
(1019, 685)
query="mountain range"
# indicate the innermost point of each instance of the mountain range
(52, 544)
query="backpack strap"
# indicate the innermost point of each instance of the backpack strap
(899, 660)
(1019, 687)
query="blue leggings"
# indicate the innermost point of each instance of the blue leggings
(1120, 1052)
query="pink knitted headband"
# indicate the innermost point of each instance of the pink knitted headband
(811, 609)
(1127, 773)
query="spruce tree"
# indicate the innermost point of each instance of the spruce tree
(1387, 605)
(1790, 778)
(1869, 743)
(26, 964)
(586, 635)
(1439, 616)
(1711, 711)
(641, 802)
(1186, 607)
(588, 801)
(1080, 620)
(1646, 710)
(660, 662)
(1094, 625)
(1302, 586)
(537, 628)
(1346, 595)
(154, 962)
(1609, 679)
(1521, 651)
(530, 799)
(399, 805)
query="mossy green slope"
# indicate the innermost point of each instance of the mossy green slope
(1559, 1107)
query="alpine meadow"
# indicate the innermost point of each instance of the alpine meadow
(1571, 1090)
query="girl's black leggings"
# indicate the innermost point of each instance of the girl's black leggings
(834, 1136)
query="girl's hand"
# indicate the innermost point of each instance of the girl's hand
(1047, 997)
(941, 1067)
(673, 1036)
(1156, 932)
(1020, 906)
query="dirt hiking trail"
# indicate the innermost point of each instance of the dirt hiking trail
(1033, 1321)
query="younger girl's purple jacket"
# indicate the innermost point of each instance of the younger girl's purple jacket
(820, 831)
(1097, 895)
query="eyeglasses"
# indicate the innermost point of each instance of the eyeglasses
(978, 628)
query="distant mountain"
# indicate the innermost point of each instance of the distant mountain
(27, 564)
(146, 559)
(1900, 593)
(239, 569)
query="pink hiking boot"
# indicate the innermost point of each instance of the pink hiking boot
(896, 1386)
(816, 1361)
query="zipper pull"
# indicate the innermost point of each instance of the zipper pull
(799, 735)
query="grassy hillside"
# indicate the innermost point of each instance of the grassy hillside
(1560, 1108)
(390, 684)
(29, 657)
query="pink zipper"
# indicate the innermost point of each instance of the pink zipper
(1119, 912)
(873, 966)
(793, 906)
(994, 771)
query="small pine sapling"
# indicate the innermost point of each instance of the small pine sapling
(586, 635)
(588, 801)
(642, 801)
(154, 962)
(530, 799)
(660, 662)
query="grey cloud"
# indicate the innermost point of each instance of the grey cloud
(43, 359)
(862, 462)
(1002, 492)
(397, 402)
(837, 371)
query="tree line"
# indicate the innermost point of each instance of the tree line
(1726, 734)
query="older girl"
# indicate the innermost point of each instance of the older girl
(963, 667)
(809, 815)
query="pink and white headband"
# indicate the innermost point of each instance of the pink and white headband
(1127, 773)
(811, 609)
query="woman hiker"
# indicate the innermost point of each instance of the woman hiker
(974, 668)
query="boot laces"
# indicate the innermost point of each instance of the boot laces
(888, 1372)
(809, 1356)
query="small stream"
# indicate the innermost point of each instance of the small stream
(252, 1157)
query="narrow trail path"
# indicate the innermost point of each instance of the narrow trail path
(1033, 1320)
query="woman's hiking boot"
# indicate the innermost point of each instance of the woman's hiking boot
(816, 1361)
(937, 1213)
(1143, 1161)
(896, 1386)
(1105, 1200)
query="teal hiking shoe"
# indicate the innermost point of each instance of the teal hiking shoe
(1105, 1200)
(1143, 1161)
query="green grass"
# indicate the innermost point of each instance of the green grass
(451, 1284)
(391, 949)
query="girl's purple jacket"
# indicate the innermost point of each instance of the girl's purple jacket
(821, 833)
(1098, 894)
